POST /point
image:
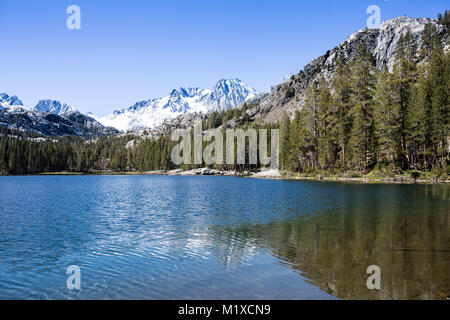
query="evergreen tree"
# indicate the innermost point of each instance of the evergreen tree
(362, 142)
(311, 118)
(326, 118)
(416, 124)
(387, 120)
(342, 87)
(439, 102)
(404, 77)
(284, 141)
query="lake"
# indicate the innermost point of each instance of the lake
(178, 237)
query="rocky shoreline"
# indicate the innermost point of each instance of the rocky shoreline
(277, 175)
(265, 174)
(199, 172)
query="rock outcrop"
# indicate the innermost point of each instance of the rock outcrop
(382, 43)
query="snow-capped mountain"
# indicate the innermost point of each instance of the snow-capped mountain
(53, 106)
(146, 114)
(50, 118)
(10, 103)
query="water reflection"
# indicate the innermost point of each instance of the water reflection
(221, 238)
(333, 250)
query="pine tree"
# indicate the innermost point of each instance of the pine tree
(404, 76)
(362, 137)
(439, 102)
(428, 35)
(415, 122)
(342, 92)
(295, 147)
(387, 120)
(310, 116)
(326, 121)
(284, 141)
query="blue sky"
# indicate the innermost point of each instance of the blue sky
(133, 50)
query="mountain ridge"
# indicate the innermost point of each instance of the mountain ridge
(53, 106)
(381, 42)
(49, 118)
(148, 114)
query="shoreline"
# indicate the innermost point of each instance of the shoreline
(362, 180)
(265, 175)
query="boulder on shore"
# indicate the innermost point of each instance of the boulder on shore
(268, 174)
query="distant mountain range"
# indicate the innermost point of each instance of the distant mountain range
(147, 114)
(50, 117)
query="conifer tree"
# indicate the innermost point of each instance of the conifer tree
(284, 141)
(342, 88)
(325, 121)
(311, 119)
(387, 120)
(404, 77)
(362, 136)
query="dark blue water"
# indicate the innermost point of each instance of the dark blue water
(162, 237)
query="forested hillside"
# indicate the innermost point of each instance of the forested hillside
(371, 119)
(26, 153)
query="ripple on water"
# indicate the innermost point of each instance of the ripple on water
(150, 237)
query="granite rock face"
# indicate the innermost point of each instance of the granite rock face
(52, 106)
(382, 43)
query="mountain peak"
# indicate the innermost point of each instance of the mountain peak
(53, 106)
(227, 81)
(226, 94)
(223, 83)
(10, 103)
(229, 92)
(186, 92)
(406, 20)
(10, 100)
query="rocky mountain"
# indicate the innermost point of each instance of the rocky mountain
(188, 121)
(49, 118)
(9, 103)
(382, 43)
(147, 114)
(52, 106)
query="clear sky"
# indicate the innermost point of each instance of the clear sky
(133, 50)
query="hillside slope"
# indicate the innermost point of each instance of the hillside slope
(382, 43)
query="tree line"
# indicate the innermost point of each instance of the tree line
(22, 153)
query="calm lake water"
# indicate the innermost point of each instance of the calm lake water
(162, 237)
